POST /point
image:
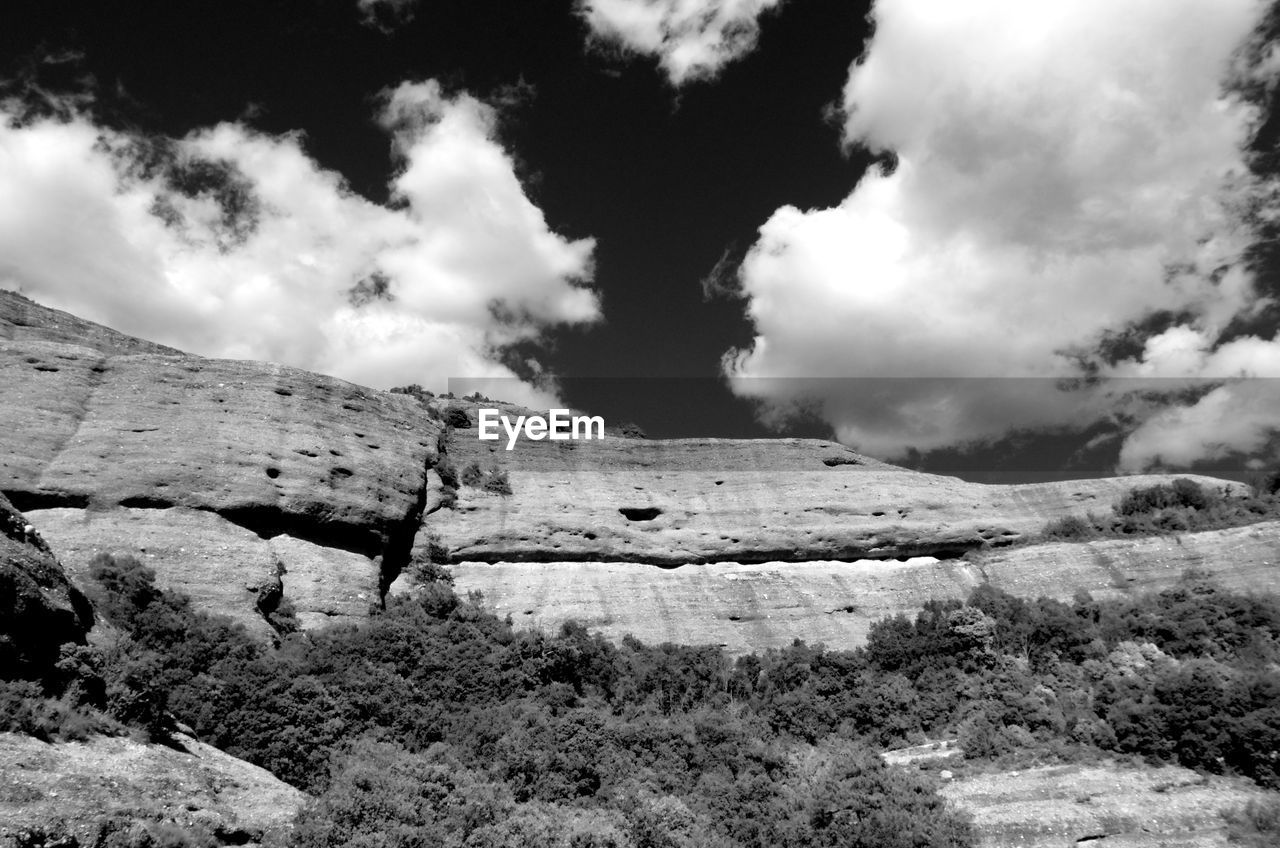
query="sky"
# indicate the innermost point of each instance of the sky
(992, 238)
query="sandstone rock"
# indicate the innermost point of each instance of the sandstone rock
(39, 608)
(681, 501)
(221, 565)
(270, 450)
(1133, 806)
(748, 607)
(78, 789)
(25, 320)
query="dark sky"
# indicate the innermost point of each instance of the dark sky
(667, 180)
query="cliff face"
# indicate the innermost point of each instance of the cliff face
(228, 478)
(244, 482)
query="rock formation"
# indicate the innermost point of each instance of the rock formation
(113, 790)
(226, 477)
(241, 483)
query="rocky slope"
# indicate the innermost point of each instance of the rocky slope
(87, 791)
(229, 478)
(751, 606)
(1103, 805)
(682, 501)
(70, 793)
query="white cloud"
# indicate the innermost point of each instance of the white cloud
(1063, 170)
(467, 260)
(692, 39)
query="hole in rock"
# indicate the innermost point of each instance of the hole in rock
(273, 473)
(640, 513)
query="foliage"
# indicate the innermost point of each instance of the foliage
(456, 416)
(472, 475)
(1181, 506)
(437, 722)
(497, 482)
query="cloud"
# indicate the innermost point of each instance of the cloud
(692, 39)
(233, 243)
(1065, 174)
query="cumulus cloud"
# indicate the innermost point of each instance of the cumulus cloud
(691, 39)
(1065, 174)
(233, 243)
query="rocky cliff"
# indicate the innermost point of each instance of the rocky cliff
(233, 480)
(241, 483)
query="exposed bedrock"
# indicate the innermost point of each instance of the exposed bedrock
(747, 607)
(683, 501)
(203, 462)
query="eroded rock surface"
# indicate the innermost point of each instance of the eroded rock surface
(1102, 805)
(753, 606)
(91, 438)
(681, 501)
(111, 785)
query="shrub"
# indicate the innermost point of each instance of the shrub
(472, 475)
(432, 570)
(1182, 493)
(1069, 528)
(448, 472)
(457, 417)
(497, 482)
(284, 618)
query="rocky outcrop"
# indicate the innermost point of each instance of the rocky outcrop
(39, 608)
(752, 606)
(1100, 805)
(213, 463)
(241, 483)
(681, 501)
(113, 790)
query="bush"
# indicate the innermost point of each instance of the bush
(448, 472)
(1069, 528)
(472, 475)
(456, 416)
(1182, 493)
(497, 482)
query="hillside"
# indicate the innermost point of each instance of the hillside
(54, 790)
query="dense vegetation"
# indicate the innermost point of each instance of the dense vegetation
(439, 723)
